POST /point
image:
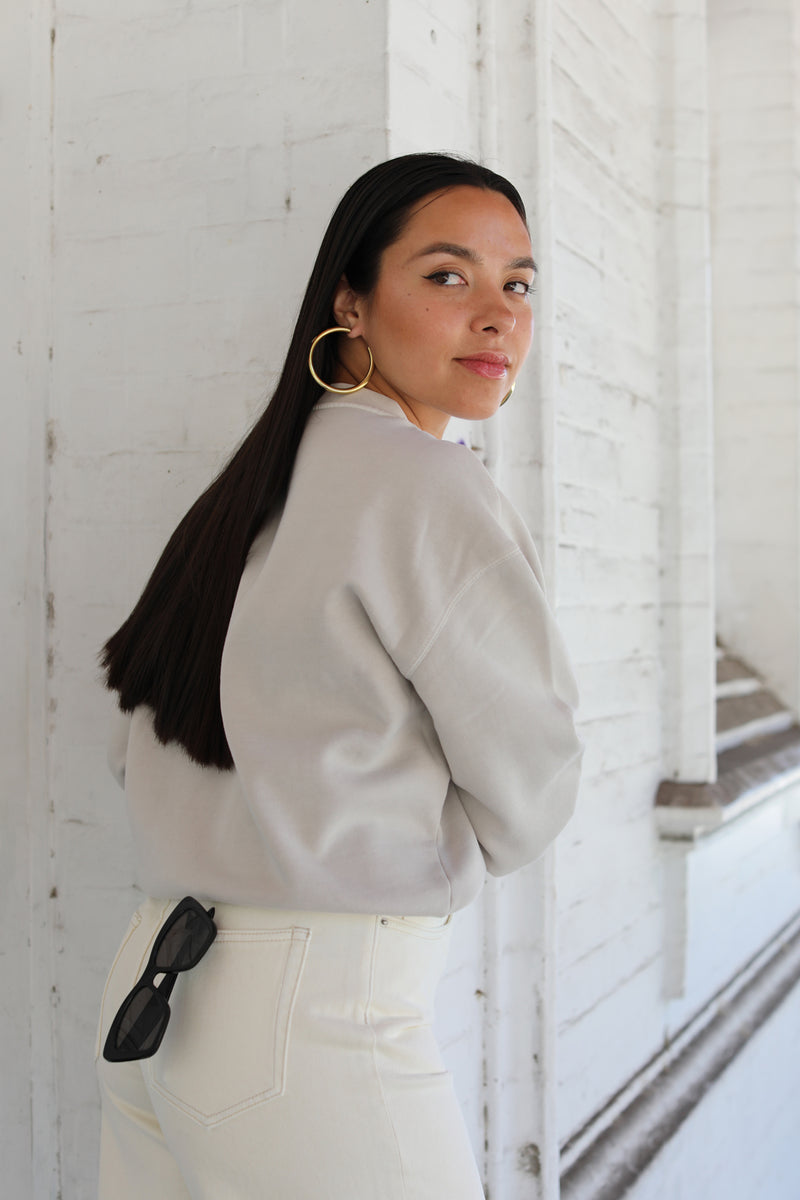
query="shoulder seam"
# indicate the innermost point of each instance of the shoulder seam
(465, 587)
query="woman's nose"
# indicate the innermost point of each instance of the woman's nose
(495, 314)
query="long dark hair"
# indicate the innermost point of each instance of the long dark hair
(168, 653)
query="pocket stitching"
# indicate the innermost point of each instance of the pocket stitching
(406, 925)
(296, 937)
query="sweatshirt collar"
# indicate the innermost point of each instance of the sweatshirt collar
(367, 399)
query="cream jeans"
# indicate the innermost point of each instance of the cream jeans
(299, 1064)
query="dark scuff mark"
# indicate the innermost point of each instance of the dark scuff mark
(52, 444)
(53, 893)
(529, 1160)
(51, 609)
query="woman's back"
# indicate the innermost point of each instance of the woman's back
(343, 798)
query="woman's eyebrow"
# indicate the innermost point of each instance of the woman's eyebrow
(456, 251)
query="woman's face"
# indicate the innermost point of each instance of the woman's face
(449, 321)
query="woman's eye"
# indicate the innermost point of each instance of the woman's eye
(445, 278)
(521, 287)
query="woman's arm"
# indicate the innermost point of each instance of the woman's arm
(497, 682)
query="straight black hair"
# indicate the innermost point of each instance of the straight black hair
(167, 655)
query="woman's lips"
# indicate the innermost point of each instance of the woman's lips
(490, 366)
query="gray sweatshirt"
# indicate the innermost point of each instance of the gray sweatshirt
(395, 693)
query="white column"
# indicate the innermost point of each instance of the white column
(521, 1023)
(687, 497)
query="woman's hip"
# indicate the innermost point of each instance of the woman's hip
(301, 1030)
(332, 980)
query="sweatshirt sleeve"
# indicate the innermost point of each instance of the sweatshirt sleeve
(496, 680)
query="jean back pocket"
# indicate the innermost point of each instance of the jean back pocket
(227, 1044)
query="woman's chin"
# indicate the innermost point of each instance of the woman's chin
(479, 410)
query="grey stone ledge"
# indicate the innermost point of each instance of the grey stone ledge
(604, 1160)
(748, 774)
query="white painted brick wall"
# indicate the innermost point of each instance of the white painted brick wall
(607, 455)
(640, 554)
(196, 154)
(20, 611)
(432, 100)
(194, 172)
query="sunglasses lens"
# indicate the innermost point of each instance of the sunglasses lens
(185, 942)
(142, 1023)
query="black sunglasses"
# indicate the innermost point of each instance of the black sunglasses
(139, 1026)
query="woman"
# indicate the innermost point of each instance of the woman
(348, 700)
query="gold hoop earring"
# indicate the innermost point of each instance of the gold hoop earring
(508, 395)
(342, 391)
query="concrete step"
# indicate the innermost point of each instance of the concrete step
(738, 687)
(742, 717)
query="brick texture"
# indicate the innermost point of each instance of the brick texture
(176, 171)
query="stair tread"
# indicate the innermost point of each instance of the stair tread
(736, 711)
(741, 769)
(730, 668)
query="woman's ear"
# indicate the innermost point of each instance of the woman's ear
(347, 307)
